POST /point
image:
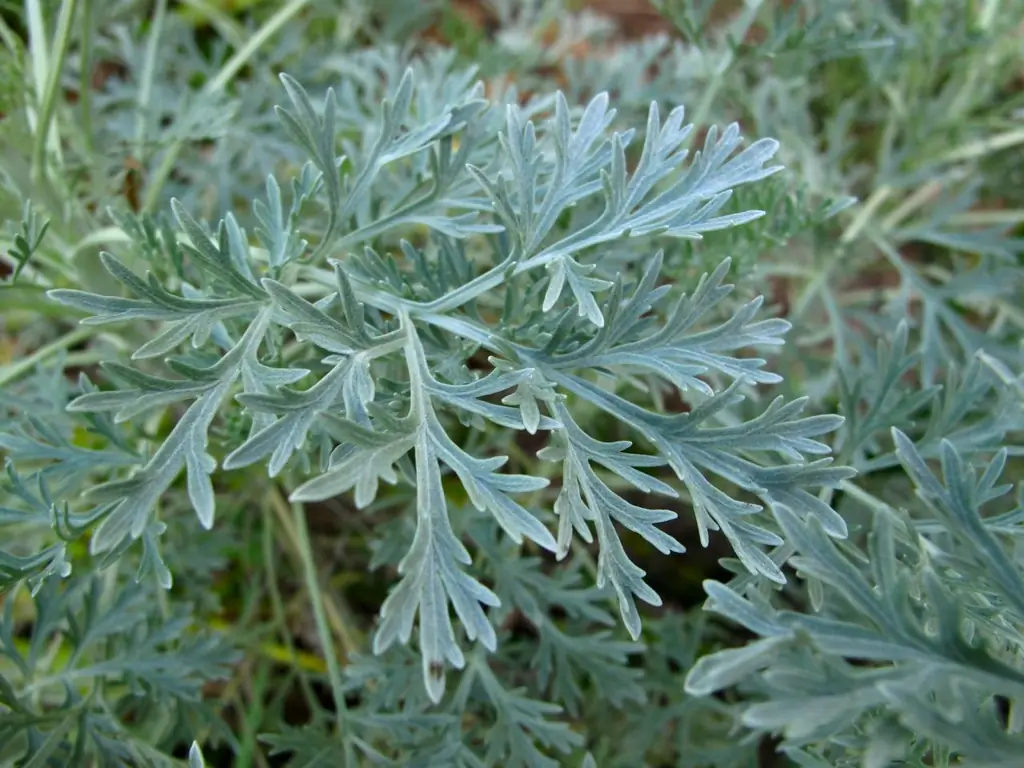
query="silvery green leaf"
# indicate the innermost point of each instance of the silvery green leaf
(944, 333)
(527, 725)
(45, 445)
(726, 668)
(585, 499)
(979, 733)
(359, 467)
(184, 448)
(276, 231)
(850, 639)
(195, 756)
(938, 227)
(821, 559)
(468, 397)
(530, 391)
(753, 613)
(398, 137)
(306, 319)
(1002, 372)
(35, 568)
(957, 505)
(685, 208)
(489, 490)
(291, 414)
(583, 288)
(432, 579)
(188, 315)
(812, 717)
(227, 258)
(679, 350)
(112, 634)
(486, 488)
(690, 448)
(148, 393)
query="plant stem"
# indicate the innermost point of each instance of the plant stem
(316, 598)
(922, 195)
(297, 660)
(976, 149)
(38, 52)
(220, 20)
(85, 77)
(146, 80)
(216, 84)
(61, 44)
(866, 498)
(864, 214)
(14, 370)
(350, 640)
(744, 22)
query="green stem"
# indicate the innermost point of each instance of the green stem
(864, 214)
(319, 615)
(710, 91)
(62, 42)
(921, 196)
(231, 68)
(225, 25)
(1009, 218)
(85, 77)
(38, 52)
(868, 499)
(976, 149)
(339, 617)
(277, 608)
(255, 691)
(14, 370)
(146, 80)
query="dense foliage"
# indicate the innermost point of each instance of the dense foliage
(474, 385)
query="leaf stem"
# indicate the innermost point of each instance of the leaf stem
(38, 52)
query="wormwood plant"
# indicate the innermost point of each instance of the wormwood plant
(511, 339)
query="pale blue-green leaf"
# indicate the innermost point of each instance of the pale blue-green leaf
(726, 668)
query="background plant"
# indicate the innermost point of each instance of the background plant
(467, 311)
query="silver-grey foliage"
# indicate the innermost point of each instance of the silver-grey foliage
(505, 337)
(394, 337)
